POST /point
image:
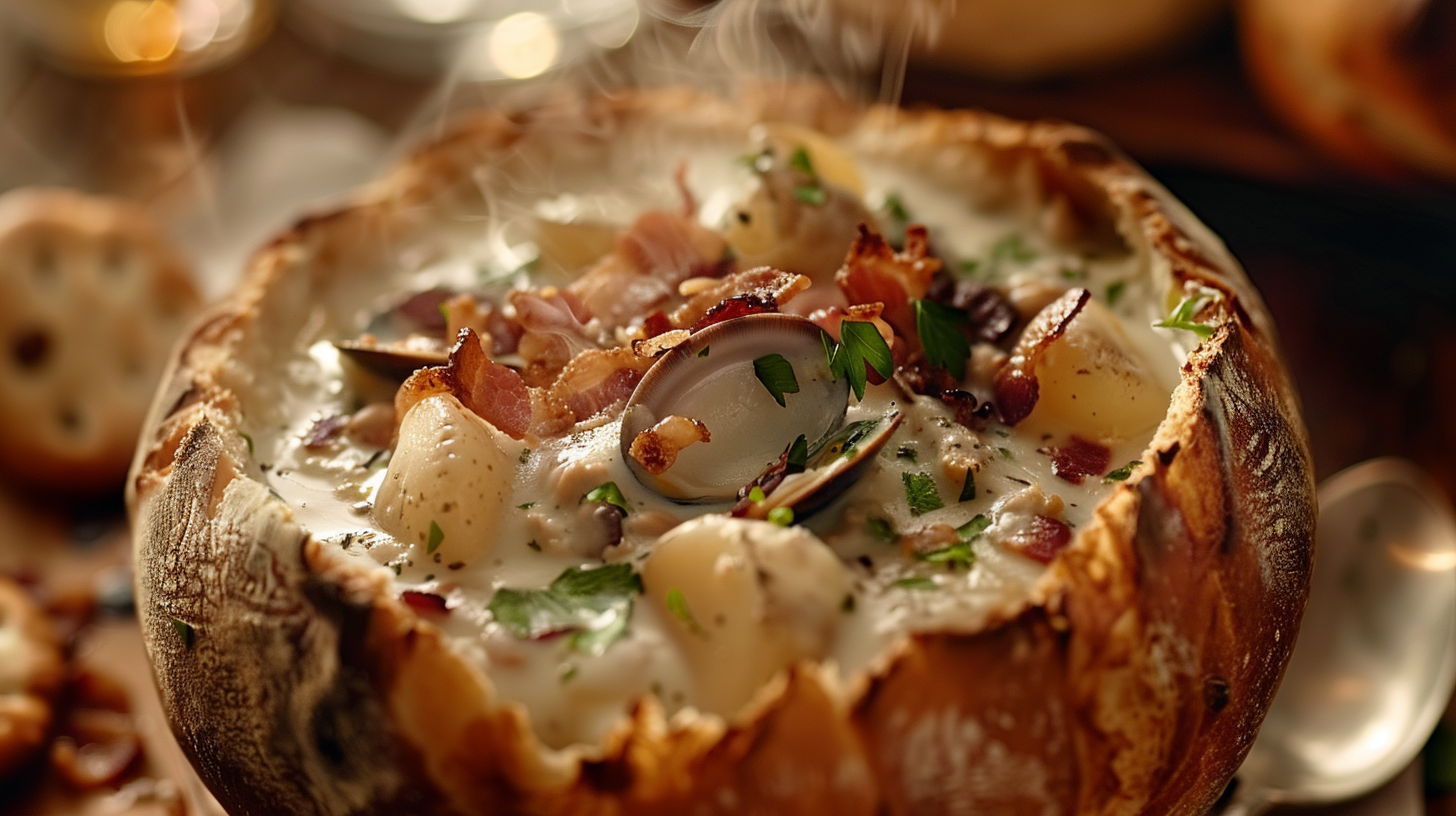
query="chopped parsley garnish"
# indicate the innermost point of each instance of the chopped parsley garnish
(703, 352)
(1072, 274)
(859, 343)
(972, 529)
(436, 536)
(896, 208)
(248, 438)
(968, 487)
(608, 493)
(782, 516)
(593, 604)
(777, 375)
(1190, 305)
(799, 160)
(944, 344)
(920, 493)
(525, 506)
(760, 162)
(755, 494)
(1011, 248)
(186, 632)
(525, 456)
(960, 553)
(881, 529)
(914, 582)
(534, 544)
(1123, 473)
(1114, 292)
(678, 606)
(798, 456)
(568, 671)
(906, 451)
(1006, 453)
(811, 194)
(969, 266)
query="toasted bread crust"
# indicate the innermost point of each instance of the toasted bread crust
(1134, 682)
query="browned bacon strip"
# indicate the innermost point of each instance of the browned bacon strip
(494, 392)
(874, 272)
(1015, 387)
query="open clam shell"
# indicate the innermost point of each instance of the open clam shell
(833, 465)
(711, 377)
(395, 360)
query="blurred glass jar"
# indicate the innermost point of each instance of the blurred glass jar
(140, 37)
(480, 40)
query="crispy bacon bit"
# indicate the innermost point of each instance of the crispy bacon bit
(492, 391)
(466, 311)
(1080, 458)
(423, 309)
(1042, 540)
(1015, 387)
(324, 430)
(424, 603)
(598, 378)
(660, 250)
(736, 306)
(554, 329)
(990, 314)
(655, 324)
(765, 283)
(660, 344)
(656, 448)
(875, 272)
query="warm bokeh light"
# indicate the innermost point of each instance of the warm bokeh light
(616, 33)
(435, 11)
(142, 30)
(524, 45)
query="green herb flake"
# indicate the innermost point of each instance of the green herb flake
(185, 632)
(914, 582)
(799, 160)
(593, 604)
(608, 493)
(972, 530)
(248, 438)
(957, 555)
(678, 606)
(760, 162)
(755, 494)
(811, 194)
(777, 375)
(1114, 292)
(906, 451)
(798, 456)
(525, 456)
(1006, 454)
(568, 671)
(1123, 473)
(969, 266)
(860, 343)
(436, 536)
(1187, 308)
(1012, 248)
(920, 493)
(896, 208)
(1071, 274)
(968, 487)
(782, 516)
(881, 529)
(847, 605)
(703, 352)
(526, 506)
(944, 344)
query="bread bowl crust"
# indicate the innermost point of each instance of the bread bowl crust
(1134, 682)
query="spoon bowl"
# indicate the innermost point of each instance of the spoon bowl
(1376, 657)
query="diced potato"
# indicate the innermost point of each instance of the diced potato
(833, 164)
(448, 482)
(744, 599)
(575, 244)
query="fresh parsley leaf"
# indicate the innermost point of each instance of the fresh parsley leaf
(798, 456)
(608, 493)
(799, 160)
(907, 452)
(1114, 292)
(1123, 473)
(782, 516)
(914, 582)
(525, 506)
(860, 343)
(968, 487)
(185, 631)
(436, 536)
(956, 555)
(1072, 274)
(920, 493)
(593, 604)
(755, 494)
(777, 375)
(1012, 248)
(703, 352)
(568, 671)
(896, 208)
(944, 344)
(248, 438)
(811, 194)
(525, 456)
(1006, 453)
(881, 529)
(969, 266)
(1190, 305)
(678, 606)
(972, 530)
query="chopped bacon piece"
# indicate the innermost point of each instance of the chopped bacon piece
(554, 330)
(655, 324)
(736, 306)
(494, 392)
(424, 603)
(659, 251)
(598, 378)
(1015, 387)
(423, 309)
(763, 286)
(656, 448)
(659, 344)
(1080, 458)
(1042, 539)
(990, 314)
(874, 272)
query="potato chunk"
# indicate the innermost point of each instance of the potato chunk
(448, 482)
(744, 599)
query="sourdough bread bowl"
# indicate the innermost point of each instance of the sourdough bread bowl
(325, 643)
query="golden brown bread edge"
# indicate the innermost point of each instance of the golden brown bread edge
(1135, 683)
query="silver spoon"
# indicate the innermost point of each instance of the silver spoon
(1376, 657)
